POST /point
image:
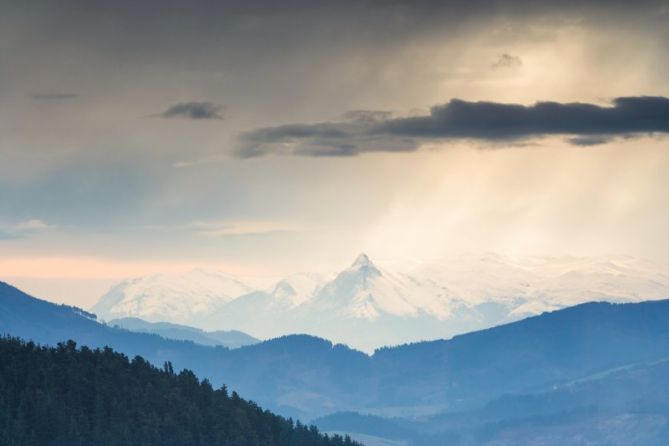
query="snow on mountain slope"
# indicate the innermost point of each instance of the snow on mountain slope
(298, 288)
(548, 282)
(171, 298)
(365, 291)
(367, 305)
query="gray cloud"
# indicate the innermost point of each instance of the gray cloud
(587, 124)
(369, 116)
(589, 140)
(193, 110)
(197, 32)
(507, 61)
(343, 138)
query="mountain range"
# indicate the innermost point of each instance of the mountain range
(230, 339)
(623, 406)
(449, 385)
(368, 306)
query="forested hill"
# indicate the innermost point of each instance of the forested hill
(73, 396)
(306, 377)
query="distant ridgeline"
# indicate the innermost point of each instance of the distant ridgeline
(595, 373)
(79, 397)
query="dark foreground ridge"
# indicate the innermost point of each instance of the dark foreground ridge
(73, 396)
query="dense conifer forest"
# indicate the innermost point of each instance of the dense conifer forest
(70, 396)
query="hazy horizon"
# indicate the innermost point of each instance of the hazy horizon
(262, 140)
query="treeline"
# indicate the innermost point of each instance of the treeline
(69, 396)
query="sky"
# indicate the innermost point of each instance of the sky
(264, 138)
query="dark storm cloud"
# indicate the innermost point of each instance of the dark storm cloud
(491, 120)
(588, 124)
(54, 96)
(193, 110)
(268, 24)
(589, 140)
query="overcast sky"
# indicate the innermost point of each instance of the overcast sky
(265, 137)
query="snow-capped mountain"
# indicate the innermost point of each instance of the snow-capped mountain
(297, 288)
(171, 298)
(365, 291)
(368, 305)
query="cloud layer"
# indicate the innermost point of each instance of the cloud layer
(54, 96)
(585, 124)
(101, 101)
(22, 229)
(193, 110)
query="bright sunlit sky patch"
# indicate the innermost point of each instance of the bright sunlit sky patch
(138, 137)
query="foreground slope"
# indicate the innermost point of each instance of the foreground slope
(70, 396)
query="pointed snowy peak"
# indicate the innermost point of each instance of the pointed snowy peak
(363, 264)
(361, 260)
(354, 281)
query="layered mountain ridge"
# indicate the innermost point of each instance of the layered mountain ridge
(594, 373)
(229, 339)
(368, 305)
